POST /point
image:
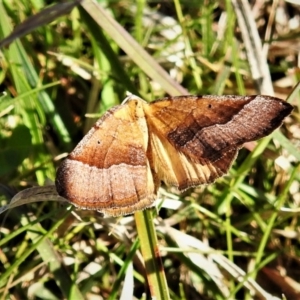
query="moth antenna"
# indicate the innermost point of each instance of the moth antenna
(131, 96)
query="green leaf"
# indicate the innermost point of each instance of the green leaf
(14, 149)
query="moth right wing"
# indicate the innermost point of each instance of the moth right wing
(194, 139)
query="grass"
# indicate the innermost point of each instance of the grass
(234, 239)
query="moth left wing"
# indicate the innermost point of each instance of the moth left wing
(109, 171)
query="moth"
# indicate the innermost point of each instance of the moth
(183, 141)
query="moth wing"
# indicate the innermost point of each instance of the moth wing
(194, 139)
(176, 169)
(109, 170)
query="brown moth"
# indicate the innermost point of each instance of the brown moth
(183, 141)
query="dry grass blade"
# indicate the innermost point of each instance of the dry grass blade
(257, 61)
(211, 263)
(42, 18)
(31, 195)
(132, 48)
